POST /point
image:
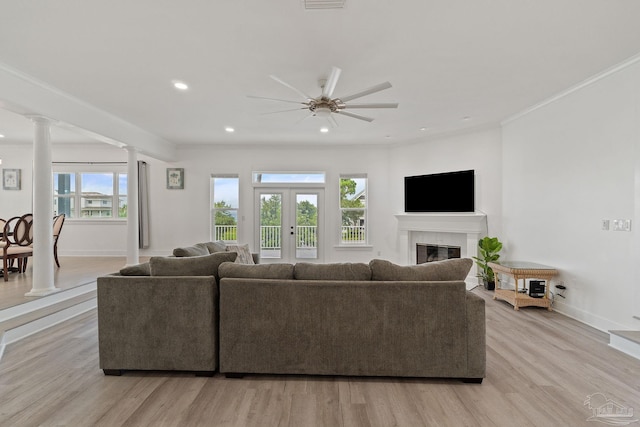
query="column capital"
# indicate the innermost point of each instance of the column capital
(36, 118)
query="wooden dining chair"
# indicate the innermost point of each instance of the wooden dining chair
(58, 222)
(17, 237)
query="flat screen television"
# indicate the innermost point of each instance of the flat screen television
(440, 192)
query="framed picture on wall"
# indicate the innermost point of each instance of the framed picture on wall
(175, 178)
(10, 179)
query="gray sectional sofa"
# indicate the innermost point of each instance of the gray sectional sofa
(375, 319)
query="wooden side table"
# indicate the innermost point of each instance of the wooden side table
(522, 270)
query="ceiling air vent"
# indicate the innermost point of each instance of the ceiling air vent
(324, 4)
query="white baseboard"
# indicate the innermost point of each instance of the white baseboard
(624, 345)
(587, 318)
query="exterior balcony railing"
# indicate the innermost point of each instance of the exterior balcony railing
(307, 235)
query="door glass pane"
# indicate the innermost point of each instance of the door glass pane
(270, 225)
(307, 226)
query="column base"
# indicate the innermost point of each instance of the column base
(41, 292)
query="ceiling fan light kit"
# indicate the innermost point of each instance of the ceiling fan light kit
(325, 105)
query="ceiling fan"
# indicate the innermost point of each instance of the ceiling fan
(325, 105)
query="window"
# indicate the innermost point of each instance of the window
(90, 191)
(288, 177)
(225, 192)
(353, 209)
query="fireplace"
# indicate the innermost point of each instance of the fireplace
(426, 252)
(442, 229)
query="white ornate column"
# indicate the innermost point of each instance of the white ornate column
(133, 254)
(43, 279)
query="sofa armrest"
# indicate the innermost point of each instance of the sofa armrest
(157, 323)
(476, 336)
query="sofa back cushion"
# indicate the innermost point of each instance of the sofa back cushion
(450, 269)
(204, 265)
(256, 271)
(136, 270)
(335, 271)
(195, 250)
(217, 246)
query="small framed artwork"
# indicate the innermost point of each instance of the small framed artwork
(10, 179)
(175, 178)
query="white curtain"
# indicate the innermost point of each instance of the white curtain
(143, 206)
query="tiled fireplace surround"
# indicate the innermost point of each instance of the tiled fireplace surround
(450, 229)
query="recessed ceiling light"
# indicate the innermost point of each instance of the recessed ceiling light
(180, 85)
(424, 128)
(229, 129)
(324, 130)
(1, 136)
(466, 118)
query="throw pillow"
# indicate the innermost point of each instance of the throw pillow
(335, 271)
(256, 271)
(195, 250)
(203, 265)
(136, 270)
(244, 255)
(450, 269)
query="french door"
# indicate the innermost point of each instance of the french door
(289, 223)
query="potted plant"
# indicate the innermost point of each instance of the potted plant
(488, 251)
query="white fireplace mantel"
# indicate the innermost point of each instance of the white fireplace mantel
(473, 225)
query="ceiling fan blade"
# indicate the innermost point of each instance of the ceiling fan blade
(374, 89)
(332, 121)
(282, 111)
(355, 116)
(275, 99)
(330, 84)
(375, 105)
(304, 118)
(299, 92)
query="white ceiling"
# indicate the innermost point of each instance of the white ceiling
(447, 59)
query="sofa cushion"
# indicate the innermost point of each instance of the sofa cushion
(256, 271)
(195, 250)
(217, 246)
(335, 271)
(244, 255)
(203, 265)
(136, 270)
(450, 269)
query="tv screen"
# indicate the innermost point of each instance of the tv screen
(441, 192)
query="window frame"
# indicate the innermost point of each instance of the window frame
(359, 243)
(76, 170)
(213, 210)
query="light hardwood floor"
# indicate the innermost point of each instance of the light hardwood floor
(541, 368)
(73, 271)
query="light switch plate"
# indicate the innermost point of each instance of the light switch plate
(621, 225)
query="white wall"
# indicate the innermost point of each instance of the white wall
(181, 217)
(480, 150)
(567, 166)
(17, 202)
